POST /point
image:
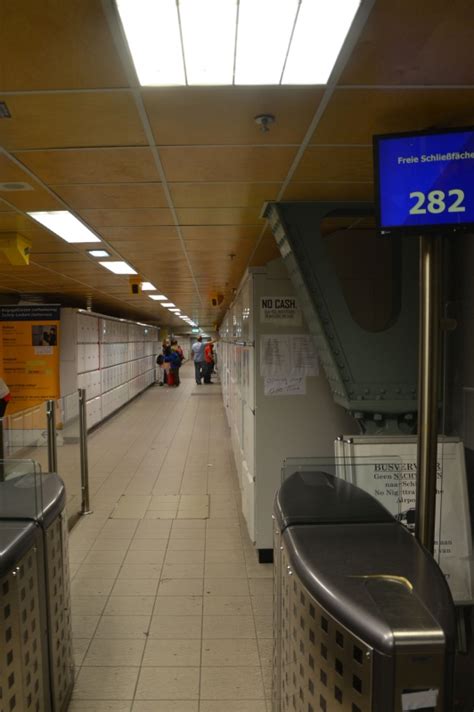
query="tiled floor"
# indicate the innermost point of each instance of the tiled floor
(171, 611)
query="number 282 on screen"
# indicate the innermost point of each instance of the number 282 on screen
(436, 201)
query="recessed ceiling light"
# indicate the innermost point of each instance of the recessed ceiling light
(209, 53)
(177, 42)
(64, 225)
(168, 304)
(176, 311)
(12, 187)
(98, 253)
(158, 297)
(154, 38)
(118, 267)
(319, 35)
(148, 287)
(260, 56)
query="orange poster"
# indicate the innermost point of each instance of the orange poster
(30, 351)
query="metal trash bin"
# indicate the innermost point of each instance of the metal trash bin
(365, 617)
(50, 516)
(24, 666)
(307, 497)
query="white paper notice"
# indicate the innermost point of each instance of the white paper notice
(288, 356)
(420, 700)
(284, 386)
(280, 310)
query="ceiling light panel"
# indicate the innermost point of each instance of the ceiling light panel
(168, 304)
(158, 297)
(225, 42)
(260, 53)
(208, 31)
(99, 253)
(148, 287)
(118, 267)
(65, 225)
(152, 31)
(319, 34)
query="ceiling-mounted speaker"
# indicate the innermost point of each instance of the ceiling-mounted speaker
(16, 248)
(135, 284)
(216, 299)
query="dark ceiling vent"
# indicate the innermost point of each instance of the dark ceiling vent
(4, 111)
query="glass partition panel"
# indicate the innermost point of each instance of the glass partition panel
(455, 476)
(20, 489)
(25, 435)
(68, 444)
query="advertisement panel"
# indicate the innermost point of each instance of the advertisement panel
(30, 353)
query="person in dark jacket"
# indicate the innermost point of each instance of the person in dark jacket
(172, 357)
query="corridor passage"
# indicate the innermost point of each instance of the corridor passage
(171, 611)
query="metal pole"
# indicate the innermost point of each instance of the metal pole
(85, 504)
(52, 448)
(428, 383)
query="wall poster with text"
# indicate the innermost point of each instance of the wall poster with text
(30, 353)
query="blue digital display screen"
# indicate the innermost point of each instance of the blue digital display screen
(425, 181)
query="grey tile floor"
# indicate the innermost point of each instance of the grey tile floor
(171, 611)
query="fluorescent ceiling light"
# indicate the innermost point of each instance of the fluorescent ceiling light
(260, 56)
(148, 287)
(65, 225)
(158, 297)
(208, 31)
(118, 267)
(205, 42)
(98, 253)
(153, 35)
(168, 304)
(319, 35)
(177, 311)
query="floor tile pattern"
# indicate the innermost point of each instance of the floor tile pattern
(171, 611)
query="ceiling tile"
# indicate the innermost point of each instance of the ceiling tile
(57, 45)
(345, 164)
(95, 165)
(226, 115)
(353, 116)
(218, 216)
(128, 217)
(422, 43)
(222, 195)
(328, 191)
(64, 119)
(112, 195)
(201, 163)
(147, 234)
(220, 232)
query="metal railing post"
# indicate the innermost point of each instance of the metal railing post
(85, 504)
(428, 386)
(52, 445)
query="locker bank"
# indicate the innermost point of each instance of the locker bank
(283, 191)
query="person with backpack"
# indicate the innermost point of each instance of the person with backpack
(177, 351)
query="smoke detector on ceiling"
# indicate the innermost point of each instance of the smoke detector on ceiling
(264, 121)
(9, 187)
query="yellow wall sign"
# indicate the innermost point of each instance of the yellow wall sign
(30, 354)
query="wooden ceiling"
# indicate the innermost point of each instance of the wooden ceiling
(173, 180)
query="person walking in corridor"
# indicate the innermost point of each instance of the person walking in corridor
(197, 353)
(209, 359)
